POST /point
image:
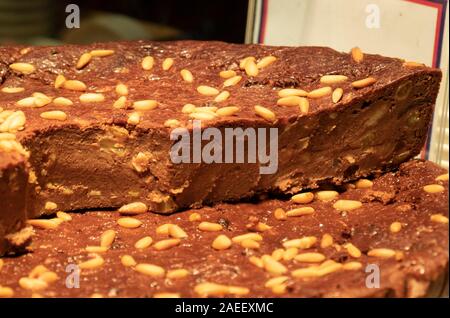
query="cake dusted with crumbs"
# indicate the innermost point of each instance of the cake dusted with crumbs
(96, 119)
(317, 244)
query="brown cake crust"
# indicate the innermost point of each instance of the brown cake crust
(420, 257)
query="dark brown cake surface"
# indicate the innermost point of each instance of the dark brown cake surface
(401, 226)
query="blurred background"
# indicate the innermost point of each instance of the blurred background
(42, 22)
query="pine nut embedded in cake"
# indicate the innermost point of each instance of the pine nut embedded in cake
(147, 63)
(266, 61)
(37, 271)
(143, 105)
(290, 253)
(300, 211)
(280, 214)
(333, 79)
(96, 249)
(195, 217)
(167, 64)
(439, 218)
(101, 52)
(62, 101)
(92, 98)
(442, 177)
(43, 224)
(227, 111)
(320, 92)
(382, 253)
(163, 229)
(276, 281)
(337, 95)
(262, 227)
(166, 244)
(33, 284)
(166, 295)
(24, 68)
(223, 96)
(134, 118)
(129, 223)
(107, 238)
(352, 250)
(433, 188)
(120, 103)
(248, 236)
(74, 85)
(256, 261)
(172, 123)
(357, 54)
(207, 109)
(289, 101)
(121, 89)
(326, 195)
(310, 257)
(395, 227)
(244, 61)
(150, 270)
(327, 241)
(272, 266)
(59, 81)
(210, 227)
(363, 82)
(363, 184)
(63, 216)
(304, 105)
(207, 90)
(128, 261)
(215, 290)
(251, 244)
(232, 81)
(265, 113)
(251, 69)
(54, 115)
(286, 92)
(203, 116)
(26, 102)
(221, 242)
(176, 231)
(93, 263)
(143, 243)
(41, 100)
(84, 59)
(12, 90)
(6, 292)
(347, 205)
(227, 74)
(301, 243)
(278, 254)
(14, 122)
(352, 266)
(303, 198)
(187, 76)
(177, 273)
(133, 208)
(413, 64)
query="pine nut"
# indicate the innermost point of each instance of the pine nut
(262, 227)
(364, 82)
(244, 61)
(222, 242)
(101, 53)
(290, 253)
(167, 64)
(320, 92)
(227, 111)
(166, 295)
(433, 188)
(33, 284)
(143, 105)
(26, 102)
(41, 99)
(382, 253)
(301, 243)
(133, 208)
(24, 68)
(347, 205)
(129, 223)
(413, 64)
(442, 177)
(163, 229)
(203, 116)
(205, 109)
(439, 218)
(166, 244)
(43, 224)
(187, 75)
(326, 195)
(286, 92)
(121, 89)
(150, 270)
(120, 103)
(280, 214)
(62, 101)
(210, 227)
(251, 244)
(134, 118)
(395, 227)
(232, 81)
(289, 101)
(327, 241)
(177, 273)
(195, 217)
(12, 90)
(128, 261)
(304, 105)
(227, 74)
(251, 69)
(363, 184)
(107, 238)
(352, 266)
(250, 236)
(333, 79)
(84, 59)
(37, 271)
(176, 231)
(14, 122)
(92, 98)
(59, 81)
(310, 257)
(212, 289)
(223, 96)
(74, 85)
(172, 123)
(96, 249)
(6, 292)
(272, 266)
(300, 211)
(276, 281)
(278, 254)
(143, 243)
(337, 95)
(357, 54)
(303, 198)
(265, 113)
(266, 61)
(93, 263)
(256, 261)
(96, 295)
(207, 90)
(147, 63)
(54, 115)
(352, 250)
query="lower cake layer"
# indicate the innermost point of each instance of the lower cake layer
(375, 238)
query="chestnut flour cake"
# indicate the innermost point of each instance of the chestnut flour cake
(96, 120)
